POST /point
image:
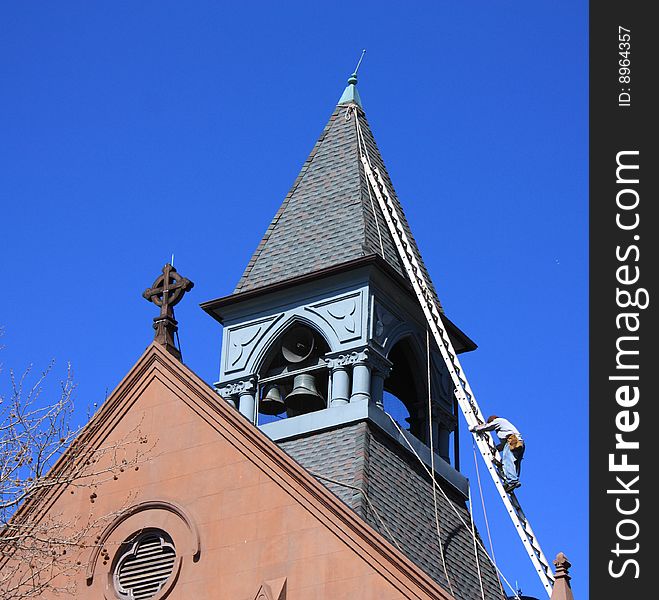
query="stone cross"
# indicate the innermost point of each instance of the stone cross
(166, 292)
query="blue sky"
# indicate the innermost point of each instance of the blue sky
(134, 130)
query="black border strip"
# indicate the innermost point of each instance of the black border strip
(623, 372)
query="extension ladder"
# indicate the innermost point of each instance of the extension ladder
(463, 392)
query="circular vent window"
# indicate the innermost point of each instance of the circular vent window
(143, 565)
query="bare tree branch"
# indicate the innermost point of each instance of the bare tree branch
(40, 451)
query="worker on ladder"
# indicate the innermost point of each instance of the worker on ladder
(511, 446)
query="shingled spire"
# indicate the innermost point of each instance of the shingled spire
(328, 217)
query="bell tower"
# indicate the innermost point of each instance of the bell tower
(323, 316)
(325, 348)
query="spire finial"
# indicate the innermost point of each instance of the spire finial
(562, 589)
(350, 94)
(359, 62)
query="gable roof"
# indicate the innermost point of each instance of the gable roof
(392, 565)
(328, 217)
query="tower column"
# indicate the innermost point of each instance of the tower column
(361, 382)
(340, 385)
(339, 364)
(361, 375)
(443, 423)
(377, 388)
(247, 405)
(380, 367)
(244, 390)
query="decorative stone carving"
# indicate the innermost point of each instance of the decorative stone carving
(344, 311)
(228, 399)
(242, 341)
(244, 391)
(384, 323)
(365, 355)
(343, 315)
(370, 369)
(272, 590)
(378, 363)
(347, 358)
(237, 388)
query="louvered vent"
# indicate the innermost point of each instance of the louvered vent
(144, 566)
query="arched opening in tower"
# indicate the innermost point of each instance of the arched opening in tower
(404, 389)
(294, 377)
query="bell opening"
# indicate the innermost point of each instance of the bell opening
(295, 376)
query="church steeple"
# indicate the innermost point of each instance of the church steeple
(325, 349)
(328, 228)
(330, 258)
(328, 217)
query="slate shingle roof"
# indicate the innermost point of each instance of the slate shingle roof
(360, 458)
(327, 217)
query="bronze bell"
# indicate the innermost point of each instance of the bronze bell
(272, 403)
(298, 344)
(305, 397)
